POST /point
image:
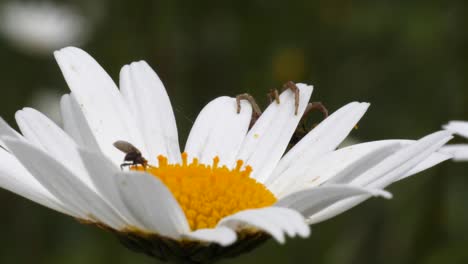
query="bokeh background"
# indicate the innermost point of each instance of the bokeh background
(408, 58)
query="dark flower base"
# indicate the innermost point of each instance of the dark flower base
(186, 251)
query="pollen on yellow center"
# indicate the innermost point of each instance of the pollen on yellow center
(208, 193)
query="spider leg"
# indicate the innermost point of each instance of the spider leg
(256, 112)
(273, 95)
(302, 129)
(292, 86)
(316, 106)
(310, 108)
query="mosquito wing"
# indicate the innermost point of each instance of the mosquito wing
(126, 147)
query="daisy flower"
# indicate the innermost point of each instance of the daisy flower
(41, 27)
(458, 151)
(233, 186)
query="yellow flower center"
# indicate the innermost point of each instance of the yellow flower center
(208, 193)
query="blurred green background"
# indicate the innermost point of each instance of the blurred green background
(408, 58)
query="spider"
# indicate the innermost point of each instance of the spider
(273, 96)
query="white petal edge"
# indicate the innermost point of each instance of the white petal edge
(292, 230)
(343, 165)
(148, 100)
(7, 131)
(275, 221)
(312, 200)
(46, 135)
(63, 184)
(219, 131)
(386, 172)
(322, 139)
(152, 204)
(398, 164)
(335, 209)
(332, 165)
(458, 127)
(434, 159)
(15, 178)
(104, 171)
(75, 124)
(221, 235)
(459, 152)
(100, 101)
(268, 139)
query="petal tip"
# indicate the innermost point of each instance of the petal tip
(382, 193)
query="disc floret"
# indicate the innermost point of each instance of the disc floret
(208, 193)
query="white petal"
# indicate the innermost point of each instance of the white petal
(382, 149)
(298, 228)
(152, 204)
(334, 164)
(75, 124)
(322, 139)
(103, 171)
(360, 166)
(15, 178)
(100, 101)
(46, 135)
(221, 235)
(297, 224)
(458, 127)
(312, 200)
(275, 221)
(148, 100)
(459, 152)
(269, 137)
(434, 159)
(386, 172)
(395, 166)
(63, 184)
(219, 131)
(336, 209)
(6, 130)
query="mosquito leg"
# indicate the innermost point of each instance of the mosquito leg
(256, 112)
(292, 86)
(123, 165)
(143, 163)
